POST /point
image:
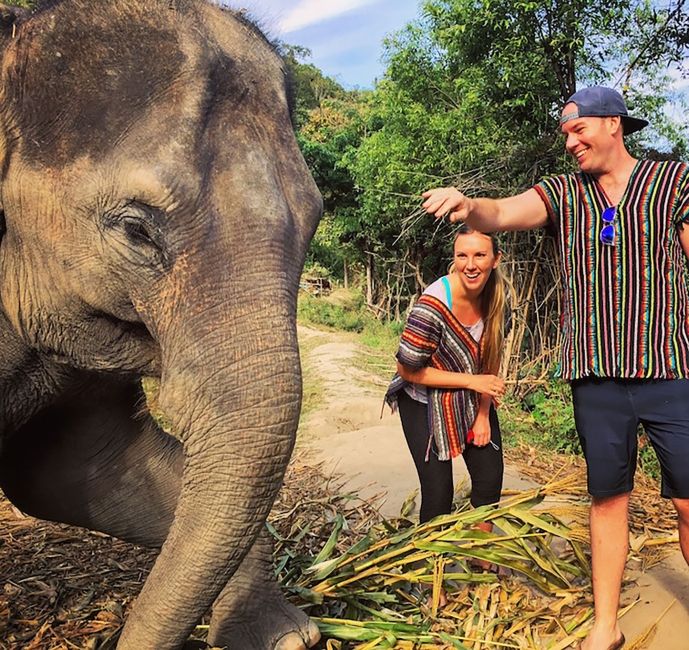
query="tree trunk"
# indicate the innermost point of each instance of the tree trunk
(369, 280)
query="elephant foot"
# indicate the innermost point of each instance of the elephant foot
(275, 625)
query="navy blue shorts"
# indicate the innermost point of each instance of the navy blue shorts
(608, 412)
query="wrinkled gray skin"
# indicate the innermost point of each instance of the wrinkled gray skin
(156, 216)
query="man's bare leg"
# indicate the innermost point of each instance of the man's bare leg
(609, 521)
(682, 507)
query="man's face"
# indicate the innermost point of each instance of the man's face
(590, 140)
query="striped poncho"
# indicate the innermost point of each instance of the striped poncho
(434, 337)
(626, 306)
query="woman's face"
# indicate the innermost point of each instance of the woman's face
(474, 261)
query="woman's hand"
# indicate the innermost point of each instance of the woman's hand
(447, 201)
(481, 429)
(487, 385)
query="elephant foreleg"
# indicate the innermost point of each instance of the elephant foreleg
(251, 613)
(96, 460)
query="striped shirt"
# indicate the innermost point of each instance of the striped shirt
(626, 306)
(434, 337)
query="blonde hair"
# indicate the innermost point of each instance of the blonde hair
(493, 303)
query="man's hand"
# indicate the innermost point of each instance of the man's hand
(447, 201)
(521, 212)
(487, 385)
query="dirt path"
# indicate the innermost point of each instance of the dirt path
(346, 434)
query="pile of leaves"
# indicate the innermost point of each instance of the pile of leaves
(526, 584)
(369, 583)
(523, 585)
(61, 586)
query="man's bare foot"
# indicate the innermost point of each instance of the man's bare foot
(598, 639)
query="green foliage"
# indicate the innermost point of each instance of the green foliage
(471, 96)
(315, 270)
(329, 125)
(379, 335)
(380, 341)
(543, 418)
(349, 316)
(646, 457)
(330, 131)
(312, 384)
(345, 310)
(309, 85)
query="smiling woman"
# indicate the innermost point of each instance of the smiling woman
(448, 358)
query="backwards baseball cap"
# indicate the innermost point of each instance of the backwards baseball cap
(599, 101)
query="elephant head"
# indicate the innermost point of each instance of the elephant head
(156, 214)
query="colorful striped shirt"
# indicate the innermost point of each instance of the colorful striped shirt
(434, 337)
(626, 305)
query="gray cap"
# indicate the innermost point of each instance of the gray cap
(599, 101)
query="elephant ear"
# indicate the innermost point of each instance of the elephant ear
(11, 18)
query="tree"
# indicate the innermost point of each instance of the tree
(328, 121)
(309, 85)
(472, 95)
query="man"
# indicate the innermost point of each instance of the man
(625, 324)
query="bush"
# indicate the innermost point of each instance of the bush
(348, 315)
(542, 418)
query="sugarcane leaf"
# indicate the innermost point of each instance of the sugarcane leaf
(540, 522)
(329, 546)
(308, 595)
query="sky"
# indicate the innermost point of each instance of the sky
(345, 36)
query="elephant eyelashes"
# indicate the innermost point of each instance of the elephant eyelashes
(144, 235)
(137, 232)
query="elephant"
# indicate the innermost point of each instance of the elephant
(156, 212)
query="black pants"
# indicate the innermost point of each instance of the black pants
(485, 464)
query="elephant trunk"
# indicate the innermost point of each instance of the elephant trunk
(231, 385)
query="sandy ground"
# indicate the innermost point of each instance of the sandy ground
(347, 434)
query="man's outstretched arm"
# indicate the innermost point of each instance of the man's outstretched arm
(521, 212)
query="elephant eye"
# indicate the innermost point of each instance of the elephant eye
(137, 232)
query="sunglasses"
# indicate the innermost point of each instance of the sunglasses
(607, 232)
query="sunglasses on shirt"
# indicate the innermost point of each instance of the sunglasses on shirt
(607, 232)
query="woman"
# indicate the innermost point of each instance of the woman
(446, 380)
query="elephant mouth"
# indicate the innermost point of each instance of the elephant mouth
(100, 342)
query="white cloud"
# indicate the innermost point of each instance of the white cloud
(310, 12)
(680, 80)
